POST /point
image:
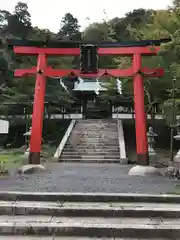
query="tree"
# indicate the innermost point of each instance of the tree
(70, 28)
(19, 23)
(135, 19)
(4, 18)
(98, 32)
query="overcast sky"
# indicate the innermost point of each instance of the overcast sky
(48, 13)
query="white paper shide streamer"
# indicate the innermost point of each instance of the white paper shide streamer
(98, 86)
(80, 80)
(119, 86)
(63, 85)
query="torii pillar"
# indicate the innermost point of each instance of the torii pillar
(143, 168)
(38, 111)
(140, 115)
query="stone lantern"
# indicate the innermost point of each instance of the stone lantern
(177, 156)
(151, 140)
(28, 134)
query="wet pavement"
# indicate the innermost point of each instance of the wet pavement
(78, 177)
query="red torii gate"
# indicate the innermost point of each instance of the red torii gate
(135, 50)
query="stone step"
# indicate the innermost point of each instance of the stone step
(100, 139)
(100, 129)
(87, 142)
(97, 133)
(80, 160)
(90, 158)
(96, 123)
(93, 144)
(87, 157)
(90, 226)
(92, 129)
(87, 154)
(101, 136)
(84, 154)
(92, 148)
(85, 149)
(88, 197)
(104, 148)
(91, 209)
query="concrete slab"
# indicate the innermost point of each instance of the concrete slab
(144, 171)
(31, 168)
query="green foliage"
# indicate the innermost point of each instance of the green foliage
(135, 25)
(69, 28)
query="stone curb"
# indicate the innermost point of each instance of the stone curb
(87, 197)
(90, 230)
(115, 212)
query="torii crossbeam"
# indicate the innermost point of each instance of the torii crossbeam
(135, 50)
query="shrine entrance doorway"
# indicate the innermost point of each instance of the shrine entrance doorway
(97, 109)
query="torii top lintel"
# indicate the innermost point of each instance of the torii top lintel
(71, 48)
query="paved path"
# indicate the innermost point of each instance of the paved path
(74, 177)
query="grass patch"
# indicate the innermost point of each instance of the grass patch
(48, 153)
(12, 159)
(176, 190)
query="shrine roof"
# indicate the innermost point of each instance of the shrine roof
(88, 84)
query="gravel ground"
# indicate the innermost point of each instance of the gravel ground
(78, 177)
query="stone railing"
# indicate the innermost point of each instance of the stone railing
(64, 139)
(121, 140)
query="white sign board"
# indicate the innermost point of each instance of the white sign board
(4, 126)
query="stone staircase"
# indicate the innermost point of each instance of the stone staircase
(82, 216)
(93, 141)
